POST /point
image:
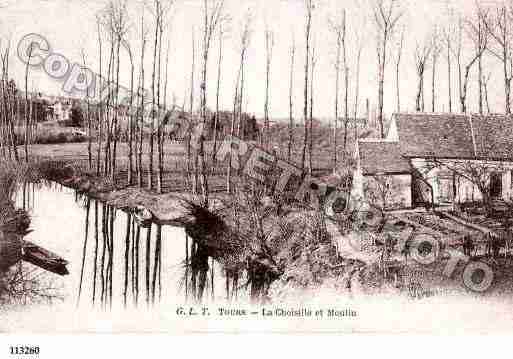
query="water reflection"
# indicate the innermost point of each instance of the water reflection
(112, 260)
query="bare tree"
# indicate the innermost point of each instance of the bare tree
(89, 125)
(486, 79)
(130, 168)
(448, 34)
(400, 46)
(118, 21)
(346, 81)
(337, 27)
(312, 79)
(244, 44)
(109, 28)
(436, 50)
(164, 10)
(100, 112)
(499, 26)
(359, 42)
(157, 14)
(9, 98)
(222, 30)
(309, 4)
(386, 16)
(212, 17)
(477, 34)
(291, 86)
(269, 45)
(144, 35)
(191, 113)
(422, 52)
(27, 117)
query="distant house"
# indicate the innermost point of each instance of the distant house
(61, 110)
(437, 159)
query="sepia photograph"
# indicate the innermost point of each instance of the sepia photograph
(255, 166)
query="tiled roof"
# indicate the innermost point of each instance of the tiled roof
(493, 136)
(382, 157)
(439, 135)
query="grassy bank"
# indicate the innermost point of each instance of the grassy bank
(14, 224)
(51, 134)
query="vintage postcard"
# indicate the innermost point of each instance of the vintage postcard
(255, 166)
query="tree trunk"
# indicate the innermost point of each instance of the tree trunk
(27, 119)
(418, 99)
(357, 92)
(507, 85)
(449, 82)
(346, 79)
(131, 124)
(310, 157)
(191, 122)
(337, 91)
(152, 124)
(381, 84)
(397, 88)
(433, 85)
(216, 119)
(480, 65)
(116, 113)
(140, 117)
(100, 112)
(160, 168)
(291, 117)
(305, 106)
(232, 125)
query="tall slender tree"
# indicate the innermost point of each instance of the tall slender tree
(269, 45)
(244, 45)
(27, 117)
(422, 53)
(398, 59)
(222, 29)
(386, 17)
(436, 49)
(311, 137)
(211, 19)
(291, 103)
(309, 5)
(337, 26)
(500, 28)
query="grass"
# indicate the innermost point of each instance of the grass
(12, 221)
(52, 134)
(175, 165)
(18, 285)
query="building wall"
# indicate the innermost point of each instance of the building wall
(447, 187)
(397, 193)
(440, 179)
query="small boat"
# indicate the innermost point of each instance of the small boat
(43, 258)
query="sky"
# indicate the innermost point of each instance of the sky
(70, 28)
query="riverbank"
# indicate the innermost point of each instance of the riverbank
(14, 223)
